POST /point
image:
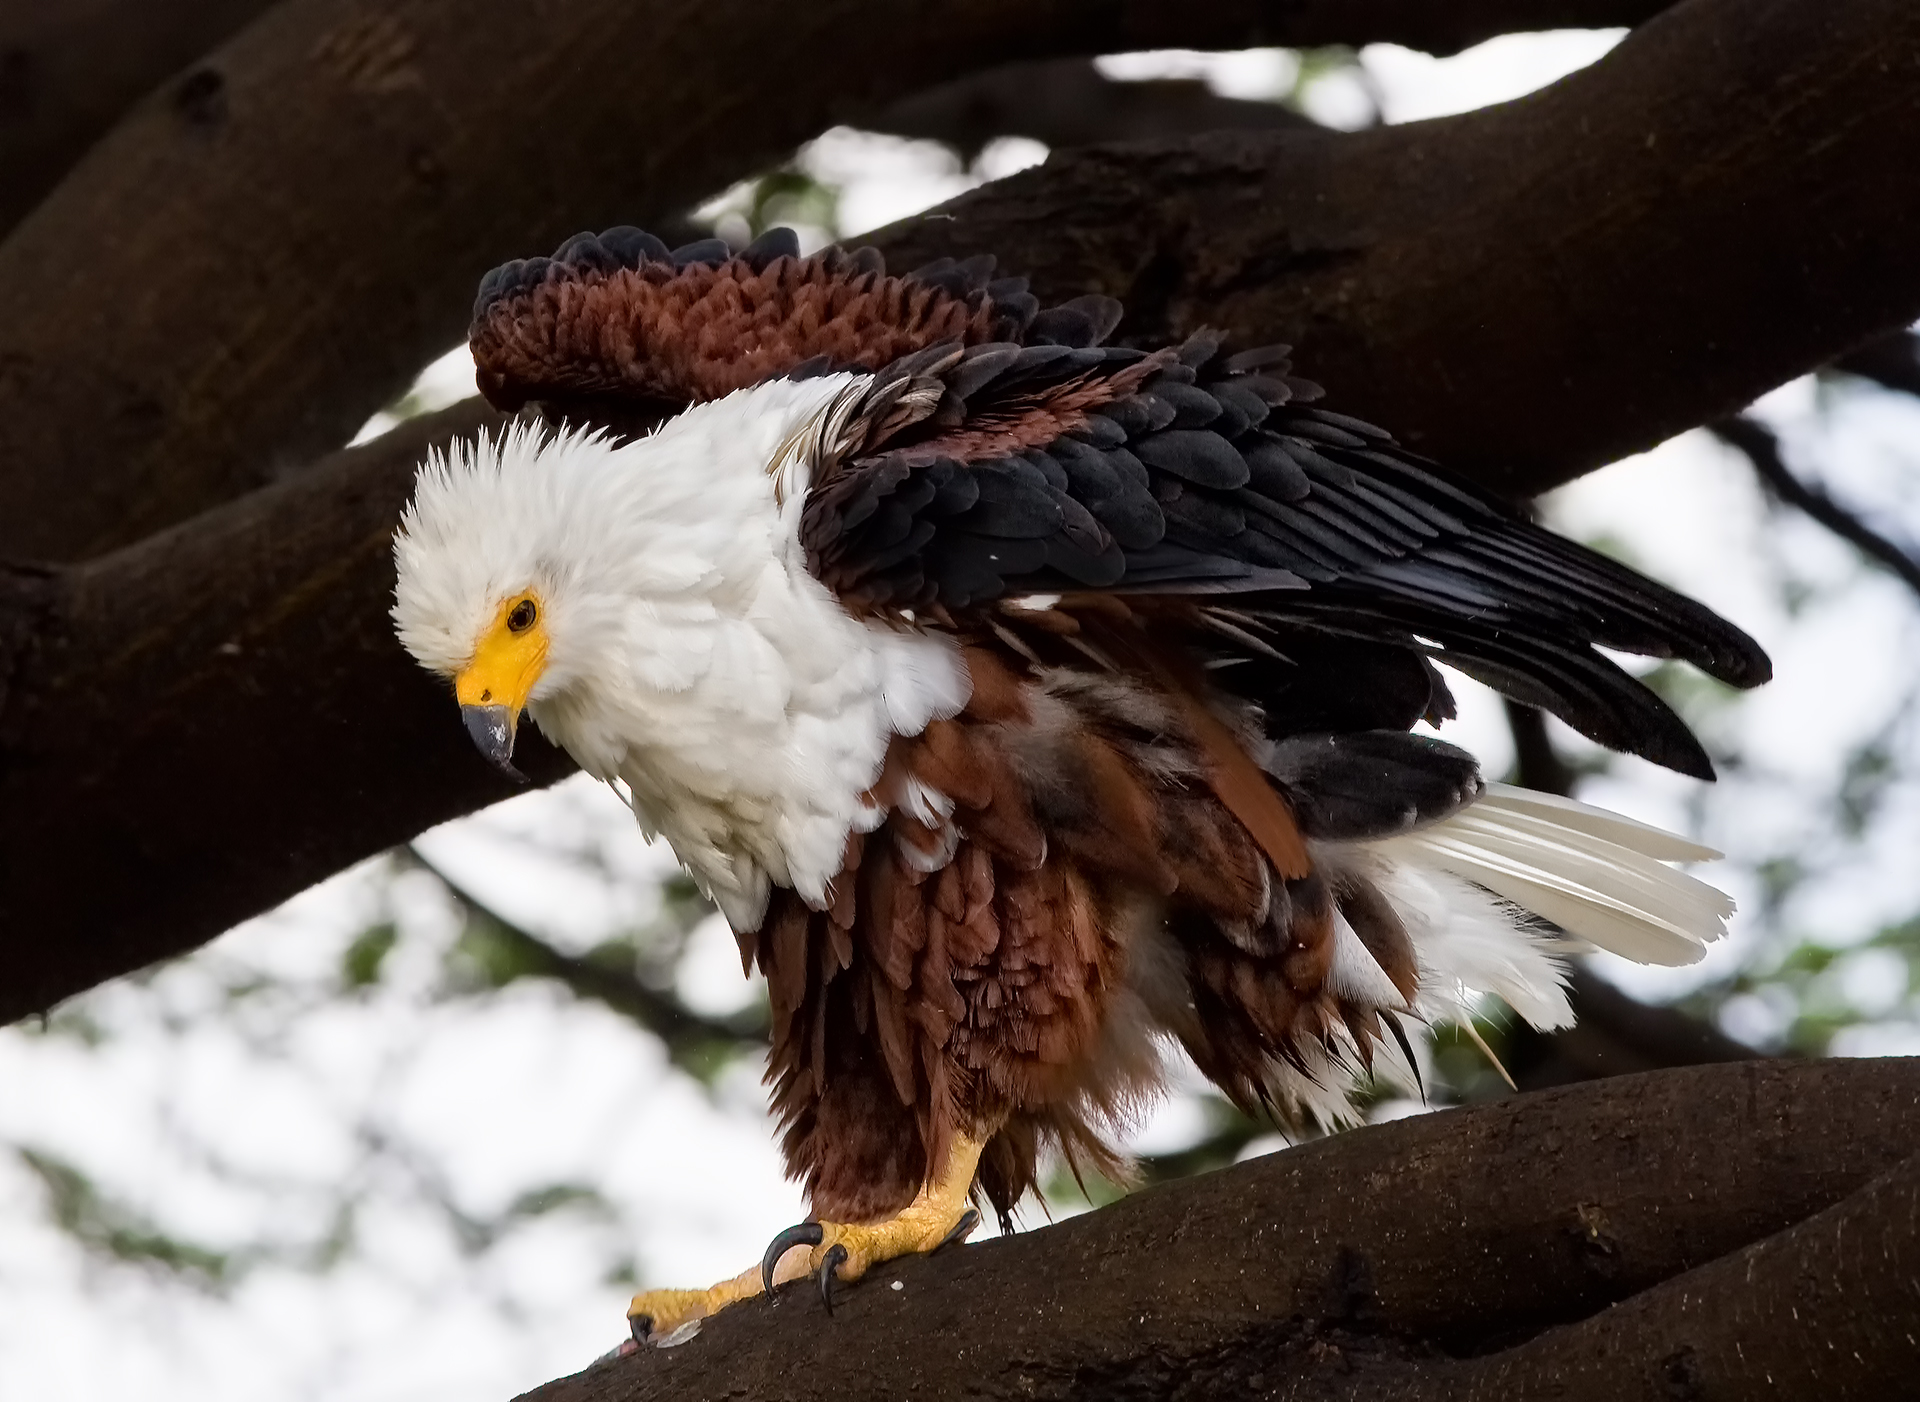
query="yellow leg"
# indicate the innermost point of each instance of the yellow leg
(656, 1315)
(845, 1251)
(828, 1251)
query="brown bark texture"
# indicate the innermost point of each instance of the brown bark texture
(1724, 1232)
(1505, 289)
(68, 70)
(272, 243)
(1066, 102)
(210, 718)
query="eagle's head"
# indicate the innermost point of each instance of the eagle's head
(509, 573)
(647, 601)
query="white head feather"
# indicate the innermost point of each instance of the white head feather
(690, 653)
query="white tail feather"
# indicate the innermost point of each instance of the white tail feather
(1463, 888)
(1600, 877)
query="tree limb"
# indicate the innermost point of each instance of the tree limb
(158, 786)
(1762, 448)
(202, 723)
(1471, 1253)
(266, 251)
(68, 70)
(1526, 292)
(1066, 102)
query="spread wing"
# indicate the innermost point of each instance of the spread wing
(1304, 555)
(999, 452)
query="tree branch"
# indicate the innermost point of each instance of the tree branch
(1537, 764)
(204, 723)
(1526, 292)
(1066, 102)
(1472, 1253)
(315, 203)
(69, 70)
(1762, 449)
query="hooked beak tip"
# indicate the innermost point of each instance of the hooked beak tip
(491, 728)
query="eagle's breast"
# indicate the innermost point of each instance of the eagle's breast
(746, 712)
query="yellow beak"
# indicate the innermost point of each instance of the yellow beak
(493, 688)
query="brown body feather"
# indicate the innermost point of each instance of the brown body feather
(1091, 889)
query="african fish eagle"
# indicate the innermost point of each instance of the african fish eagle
(1028, 703)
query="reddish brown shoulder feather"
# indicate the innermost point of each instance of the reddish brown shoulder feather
(618, 316)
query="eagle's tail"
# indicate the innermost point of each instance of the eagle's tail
(1466, 885)
(1491, 898)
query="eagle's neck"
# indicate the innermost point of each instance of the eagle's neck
(745, 711)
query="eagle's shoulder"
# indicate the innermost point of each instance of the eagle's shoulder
(619, 319)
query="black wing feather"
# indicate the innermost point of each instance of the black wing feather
(1209, 477)
(1009, 451)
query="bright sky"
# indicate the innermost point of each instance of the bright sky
(245, 1126)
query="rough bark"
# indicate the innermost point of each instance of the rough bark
(316, 745)
(201, 723)
(68, 70)
(185, 316)
(1721, 1232)
(1513, 301)
(1065, 102)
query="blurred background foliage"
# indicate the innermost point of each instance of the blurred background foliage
(511, 1071)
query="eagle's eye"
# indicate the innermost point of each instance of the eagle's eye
(522, 616)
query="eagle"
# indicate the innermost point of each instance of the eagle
(1029, 704)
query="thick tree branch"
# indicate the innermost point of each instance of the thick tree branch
(1473, 1253)
(1761, 448)
(1724, 201)
(265, 251)
(1066, 102)
(159, 786)
(70, 68)
(202, 723)
(68, 71)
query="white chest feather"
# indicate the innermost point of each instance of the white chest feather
(698, 661)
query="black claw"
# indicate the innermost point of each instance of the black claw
(961, 1229)
(642, 1326)
(800, 1234)
(835, 1255)
(1406, 1050)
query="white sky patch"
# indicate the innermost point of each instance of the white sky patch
(1394, 84)
(1413, 85)
(1254, 75)
(440, 386)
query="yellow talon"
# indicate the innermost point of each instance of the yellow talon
(939, 1213)
(829, 1251)
(655, 1316)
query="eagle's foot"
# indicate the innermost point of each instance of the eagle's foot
(661, 1318)
(845, 1251)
